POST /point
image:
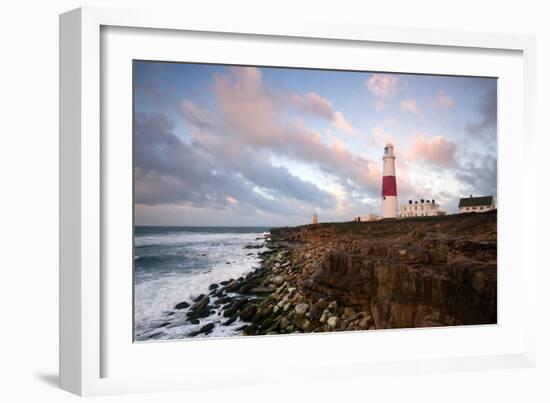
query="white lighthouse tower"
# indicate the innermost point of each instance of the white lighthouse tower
(389, 185)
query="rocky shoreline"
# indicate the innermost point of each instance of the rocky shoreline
(429, 271)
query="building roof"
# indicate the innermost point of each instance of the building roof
(475, 201)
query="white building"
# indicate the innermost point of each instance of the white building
(368, 217)
(476, 204)
(420, 208)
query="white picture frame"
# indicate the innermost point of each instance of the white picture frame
(86, 346)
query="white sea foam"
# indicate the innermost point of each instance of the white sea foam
(156, 294)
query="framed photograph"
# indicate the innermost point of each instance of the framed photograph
(263, 193)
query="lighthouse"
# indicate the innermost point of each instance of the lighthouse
(389, 185)
(315, 219)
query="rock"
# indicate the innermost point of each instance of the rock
(248, 311)
(240, 303)
(199, 309)
(200, 304)
(315, 312)
(301, 309)
(207, 328)
(261, 290)
(198, 298)
(250, 330)
(349, 312)
(284, 323)
(386, 274)
(333, 321)
(278, 280)
(230, 320)
(195, 321)
(182, 305)
(213, 286)
(324, 317)
(224, 300)
(301, 322)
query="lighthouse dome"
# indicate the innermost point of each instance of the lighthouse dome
(388, 150)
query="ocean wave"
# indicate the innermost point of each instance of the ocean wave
(179, 267)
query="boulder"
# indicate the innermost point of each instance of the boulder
(333, 321)
(301, 308)
(207, 328)
(182, 305)
(248, 311)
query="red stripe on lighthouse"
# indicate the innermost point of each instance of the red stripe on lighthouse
(389, 186)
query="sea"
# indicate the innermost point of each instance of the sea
(176, 264)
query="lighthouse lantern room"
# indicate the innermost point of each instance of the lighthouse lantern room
(389, 184)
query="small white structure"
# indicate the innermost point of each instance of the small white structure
(476, 204)
(368, 217)
(422, 208)
(389, 184)
(315, 219)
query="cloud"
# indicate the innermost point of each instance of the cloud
(340, 122)
(487, 107)
(436, 150)
(223, 164)
(195, 115)
(170, 171)
(409, 105)
(315, 105)
(253, 118)
(444, 101)
(479, 175)
(383, 87)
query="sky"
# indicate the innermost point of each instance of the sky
(222, 145)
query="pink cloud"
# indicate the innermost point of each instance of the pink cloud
(316, 105)
(194, 114)
(252, 121)
(409, 105)
(436, 150)
(254, 117)
(444, 100)
(313, 104)
(340, 122)
(382, 85)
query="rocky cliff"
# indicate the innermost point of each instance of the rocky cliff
(428, 271)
